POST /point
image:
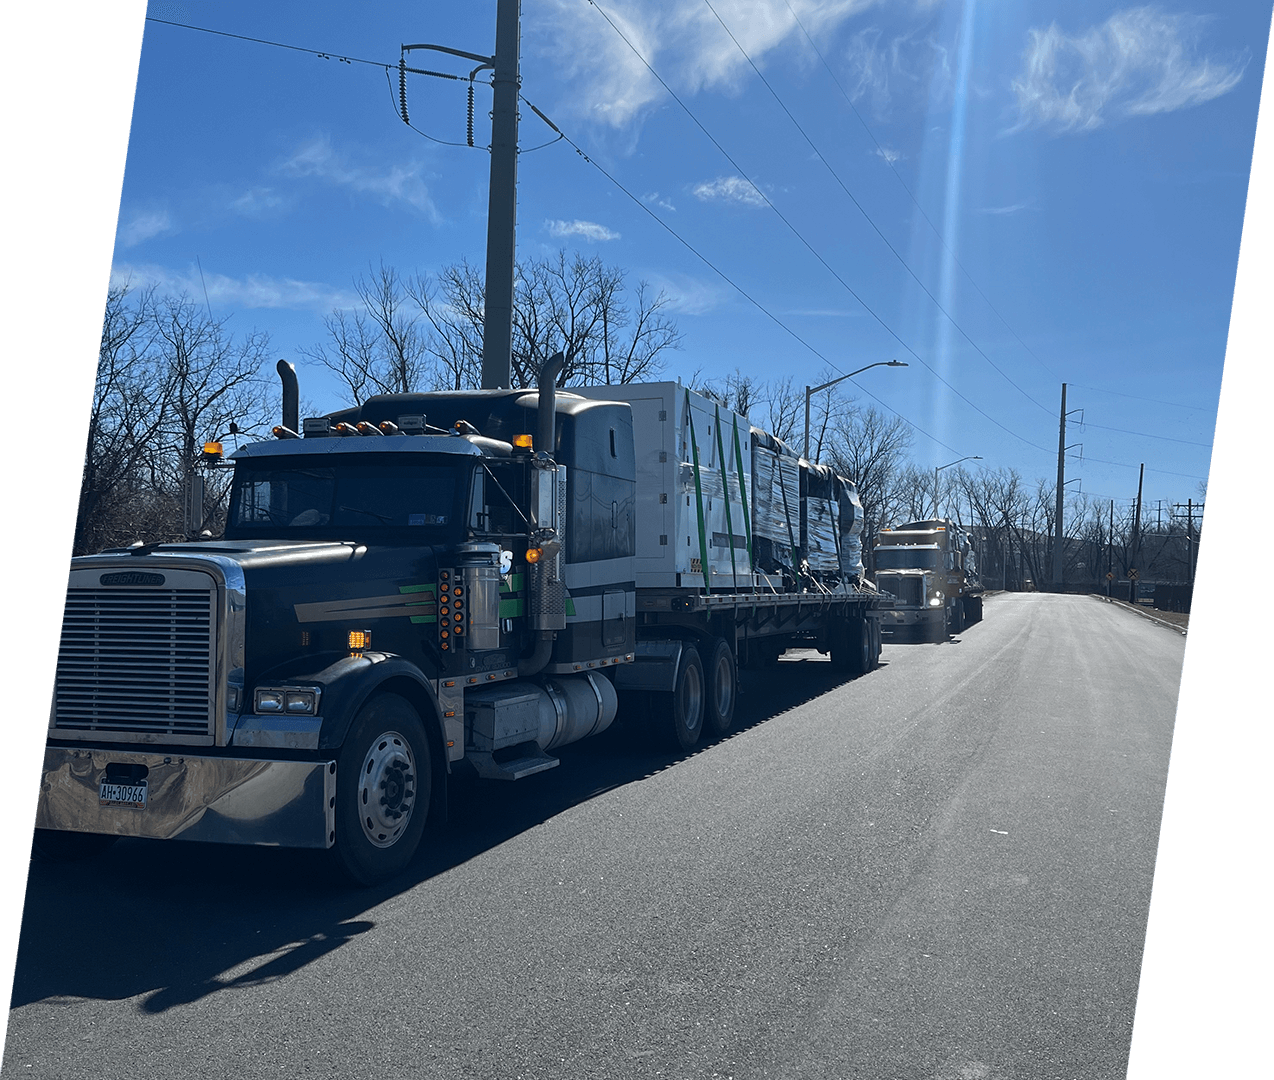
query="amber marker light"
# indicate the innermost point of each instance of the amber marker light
(359, 640)
(524, 441)
(533, 555)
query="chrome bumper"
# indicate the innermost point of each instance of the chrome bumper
(223, 800)
(891, 617)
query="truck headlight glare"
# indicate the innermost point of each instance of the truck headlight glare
(298, 701)
(936, 602)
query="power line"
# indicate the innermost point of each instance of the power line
(726, 277)
(280, 45)
(867, 217)
(884, 155)
(796, 232)
(1135, 397)
(1147, 435)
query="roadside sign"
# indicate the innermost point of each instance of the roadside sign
(1110, 575)
(1132, 575)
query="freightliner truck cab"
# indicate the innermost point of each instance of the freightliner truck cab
(422, 583)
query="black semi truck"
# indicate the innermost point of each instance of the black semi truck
(429, 582)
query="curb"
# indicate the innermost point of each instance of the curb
(1137, 611)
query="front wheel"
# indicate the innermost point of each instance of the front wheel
(383, 780)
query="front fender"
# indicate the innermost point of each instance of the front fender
(348, 681)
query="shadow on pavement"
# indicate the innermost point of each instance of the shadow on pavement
(173, 922)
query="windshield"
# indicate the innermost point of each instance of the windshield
(414, 500)
(908, 558)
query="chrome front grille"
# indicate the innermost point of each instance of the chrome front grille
(906, 589)
(138, 660)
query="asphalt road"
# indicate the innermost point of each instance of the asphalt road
(938, 871)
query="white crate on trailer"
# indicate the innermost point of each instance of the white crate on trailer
(670, 549)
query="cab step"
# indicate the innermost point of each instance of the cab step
(531, 761)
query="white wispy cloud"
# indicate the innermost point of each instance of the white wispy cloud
(890, 156)
(659, 200)
(1138, 62)
(143, 225)
(258, 202)
(681, 39)
(253, 291)
(1013, 208)
(688, 295)
(390, 184)
(729, 189)
(586, 230)
(904, 67)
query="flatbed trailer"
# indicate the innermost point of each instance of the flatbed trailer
(425, 583)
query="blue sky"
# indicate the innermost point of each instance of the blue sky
(1066, 180)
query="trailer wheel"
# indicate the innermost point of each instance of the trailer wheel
(850, 645)
(53, 846)
(686, 702)
(383, 780)
(723, 686)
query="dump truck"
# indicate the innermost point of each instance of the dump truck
(426, 583)
(930, 569)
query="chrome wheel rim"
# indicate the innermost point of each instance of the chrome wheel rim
(387, 789)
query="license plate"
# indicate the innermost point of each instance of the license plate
(123, 794)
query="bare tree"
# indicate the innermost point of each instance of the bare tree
(213, 381)
(127, 414)
(170, 377)
(868, 447)
(425, 333)
(381, 349)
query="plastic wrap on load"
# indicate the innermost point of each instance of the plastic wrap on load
(834, 524)
(822, 552)
(851, 530)
(776, 502)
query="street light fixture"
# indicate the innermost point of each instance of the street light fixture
(811, 391)
(971, 457)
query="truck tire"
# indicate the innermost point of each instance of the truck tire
(52, 846)
(723, 690)
(957, 619)
(850, 645)
(383, 781)
(686, 702)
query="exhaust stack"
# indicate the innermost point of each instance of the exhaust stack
(546, 439)
(291, 396)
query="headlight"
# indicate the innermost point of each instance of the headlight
(283, 700)
(936, 602)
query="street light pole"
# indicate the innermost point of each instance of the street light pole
(971, 457)
(811, 391)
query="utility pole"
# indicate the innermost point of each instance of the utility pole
(502, 202)
(1061, 485)
(497, 332)
(1136, 538)
(1189, 538)
(1110, 553)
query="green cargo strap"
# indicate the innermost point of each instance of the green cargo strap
(694, 457)
(725, 486)
(743, 491)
